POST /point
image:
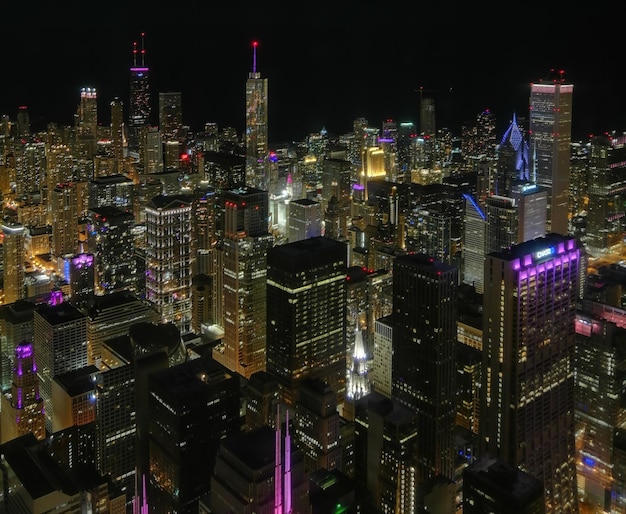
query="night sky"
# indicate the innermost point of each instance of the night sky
(327, 63)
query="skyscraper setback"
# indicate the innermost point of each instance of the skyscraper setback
(139, 115)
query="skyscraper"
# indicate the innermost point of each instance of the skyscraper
(139, 105)
(256, 127)
(244, 245)
(13, 261)
(170, 115)
(527, 391)
(168, 258)
(550, 139)
(306, 319)
(424, 343)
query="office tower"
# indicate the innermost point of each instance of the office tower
(192, 407)
(605, 194)
(22, 406)
(139, 103)
(74, 398)
(88, 112)
(16, 326)
(34, 481)
(256, 127)
(245, 242)
(429, 231)
(474, 240)
(306, 316)
(262, 471)
(550, 137)
(380, 374)
(110, 238)
(170, 115)
(514, 159)
(118, 134)
(81, 279)
(168, 258)
(600, 360)
(64, 220)
(202, 304)
(152, 150)
(527, 390)
(204, 217)
(424, 343)
(427, 113)
(13, 254)
(531, 202)
(305, 219)
(60, 344)
(317, 425)
(31, 169)
(23, 122)
(262, 400)
(336, 181)
(111, 316)
(491, 485)
(385, 444)
(479, 139)
(224, 171)
(113, 191)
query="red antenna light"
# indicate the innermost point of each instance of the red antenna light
(135, 53)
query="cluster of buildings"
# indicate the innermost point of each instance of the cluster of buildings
(390, 320)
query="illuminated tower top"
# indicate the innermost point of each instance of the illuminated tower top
(139, 105)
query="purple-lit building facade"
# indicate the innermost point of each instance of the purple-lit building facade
(527, 391)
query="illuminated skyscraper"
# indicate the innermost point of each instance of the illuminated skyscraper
(170, 115)
(13, 263)
(139, 114)
(16, 326)
(168, 258)
(64, 219)
(60, 344)
(304, 219)
(118, 136)
(244, 245)
(22, 408)
(527, 391)
(306, 314)
(424, 319)
(256, 127)
(88, 112)
(550, 139)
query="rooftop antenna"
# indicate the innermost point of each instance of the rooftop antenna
(143, 50)
(134, 54)
(254, 45)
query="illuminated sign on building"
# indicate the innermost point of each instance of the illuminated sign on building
(546, 252)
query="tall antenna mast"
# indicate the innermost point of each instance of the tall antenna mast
(134, 54)
(254, 45)
(143, 50)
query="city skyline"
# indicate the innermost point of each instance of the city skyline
(325, 67)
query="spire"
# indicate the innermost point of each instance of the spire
(134, 54)
(254, 45)
(143, 50)
(278, 472)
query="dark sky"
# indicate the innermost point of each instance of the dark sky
(327, 63)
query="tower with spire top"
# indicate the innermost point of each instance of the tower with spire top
(256, 127)
(139, 106)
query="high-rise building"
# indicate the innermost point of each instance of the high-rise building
(317, 427)
(16, 326)
(527, 390)
(244, 243)
(111, 316)
(474, 234)
(22, 407)
(425, 298)
(60, 344)
(113, 190)
(170, 115)
(169, 258)
(262, 471)
(110, 238)
(490, 485)
(64, 220)
(13, 254)
(550, 138)
(606, 167)
(256, 127)
(600, 365)
(306, 318)
(192, 407)
(118, 134)
(139, 104)
(304, 220)
(81, 278)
